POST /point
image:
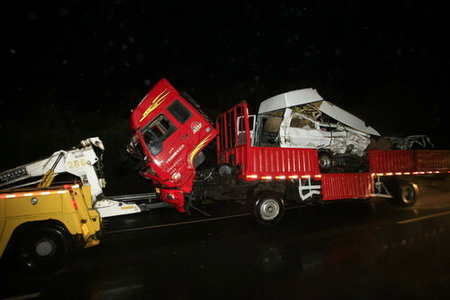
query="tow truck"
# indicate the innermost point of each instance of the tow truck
(40, 221)
(39, 227)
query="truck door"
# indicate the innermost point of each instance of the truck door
(168, 143)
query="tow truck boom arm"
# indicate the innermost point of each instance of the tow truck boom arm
(81, 161)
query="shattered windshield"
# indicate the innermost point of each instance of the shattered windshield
(156, 132)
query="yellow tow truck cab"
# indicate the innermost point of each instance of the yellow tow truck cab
(38, 227)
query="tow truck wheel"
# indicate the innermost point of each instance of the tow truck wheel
(269, 209)
(43, 249)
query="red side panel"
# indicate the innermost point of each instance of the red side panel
(383, 161)
(281, 161)
(347, 185)
(432, 160)
(265, 161)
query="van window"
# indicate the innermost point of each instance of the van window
(179, 111)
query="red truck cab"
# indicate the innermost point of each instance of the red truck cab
(168, 136)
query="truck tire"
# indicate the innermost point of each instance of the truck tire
(405, 195)
(43, 249)
(268, 209)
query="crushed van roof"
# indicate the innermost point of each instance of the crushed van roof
(309, 95)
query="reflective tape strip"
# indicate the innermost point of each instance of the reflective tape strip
(127, 207)
(407, 173)
(9, 196)
(283, 176)
(319, 176)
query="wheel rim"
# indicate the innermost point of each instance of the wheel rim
(407, 194)
(324, 162)
(45, 248)
(269, 209)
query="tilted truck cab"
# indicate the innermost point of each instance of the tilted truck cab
(168, 136)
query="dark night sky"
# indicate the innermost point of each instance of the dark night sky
(75, 68)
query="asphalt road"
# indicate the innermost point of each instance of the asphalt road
(344, 250)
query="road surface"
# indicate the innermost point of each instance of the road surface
(344, 250)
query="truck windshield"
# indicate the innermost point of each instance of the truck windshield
(156, 132)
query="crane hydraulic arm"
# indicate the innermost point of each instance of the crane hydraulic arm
(80, 161)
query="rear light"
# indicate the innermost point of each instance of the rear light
(74, 203)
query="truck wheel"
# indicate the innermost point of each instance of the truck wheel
(269, 209)
(406, 195)
(43, 249)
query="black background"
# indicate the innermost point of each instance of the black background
(75, 69)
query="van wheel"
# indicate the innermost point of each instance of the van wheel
(406, 194)
(269, 209)
(42, 249)
(325, 161)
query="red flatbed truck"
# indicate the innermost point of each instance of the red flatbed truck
(169, 132)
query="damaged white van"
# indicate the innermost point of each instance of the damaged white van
(303, 119)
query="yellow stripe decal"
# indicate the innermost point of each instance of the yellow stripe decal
(155, 103)
(198, 148)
